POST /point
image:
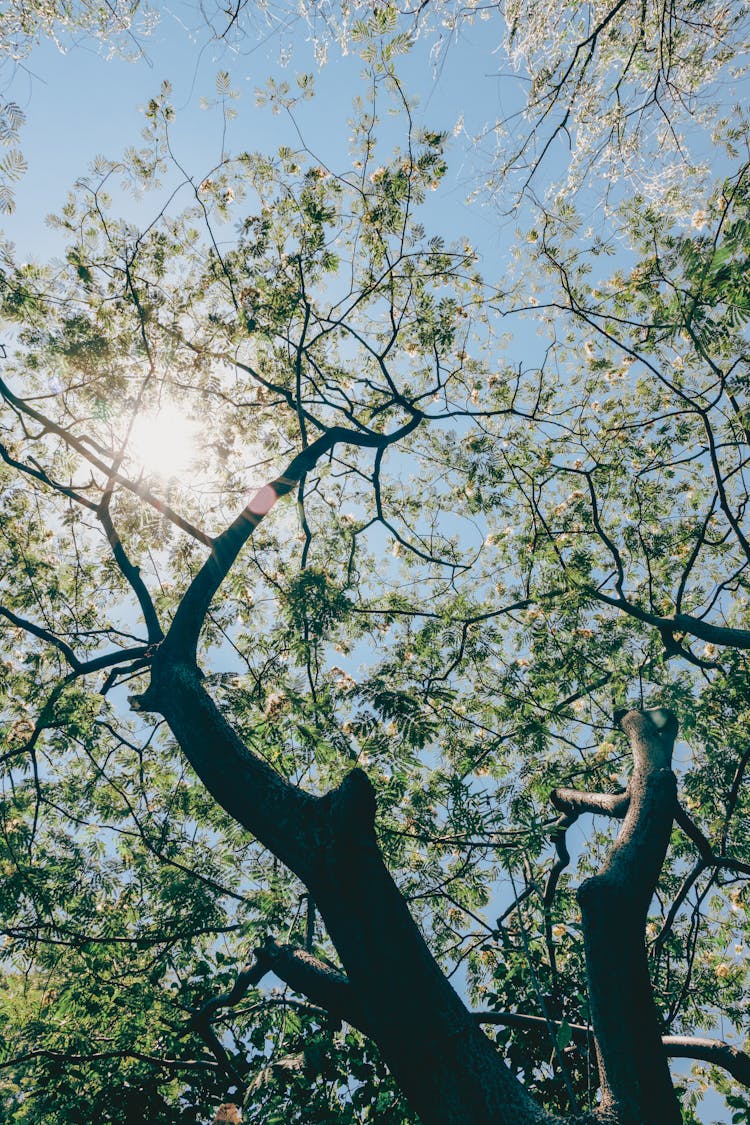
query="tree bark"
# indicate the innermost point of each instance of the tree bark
(636, 1085)
(447, 1068)
(449, 1071)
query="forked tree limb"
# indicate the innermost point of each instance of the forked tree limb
(79, 667)
(182, 638)
(445, 1065)
(722, 635)
(305, 974)
(46, 479)
(705, 850)
(313, 978)
(43, 635)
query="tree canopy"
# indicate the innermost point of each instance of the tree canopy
(374, 623)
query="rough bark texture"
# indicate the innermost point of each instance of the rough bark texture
(574, 802)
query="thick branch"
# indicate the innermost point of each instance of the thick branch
(680, 623)
(311, 977)
(182, 638)
(139, 655)
(636, 1086)
(304, 973)
(276, 812)
(714, 1051)
(574, 802)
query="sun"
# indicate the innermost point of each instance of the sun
(165, 442)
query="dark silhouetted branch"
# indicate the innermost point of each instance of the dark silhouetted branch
(182, 638)
(43, 635)
(66, 1058)
(131, 573)
(706, 852)
(713, 1051)
(721, 635)
(557, 836)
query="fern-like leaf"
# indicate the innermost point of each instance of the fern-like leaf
(13, 165)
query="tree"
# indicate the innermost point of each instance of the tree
(529, 647)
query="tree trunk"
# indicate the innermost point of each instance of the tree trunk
(446, 1066)
(636, 1084)
(449, 1071)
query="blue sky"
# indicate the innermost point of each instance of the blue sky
(81, 104)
